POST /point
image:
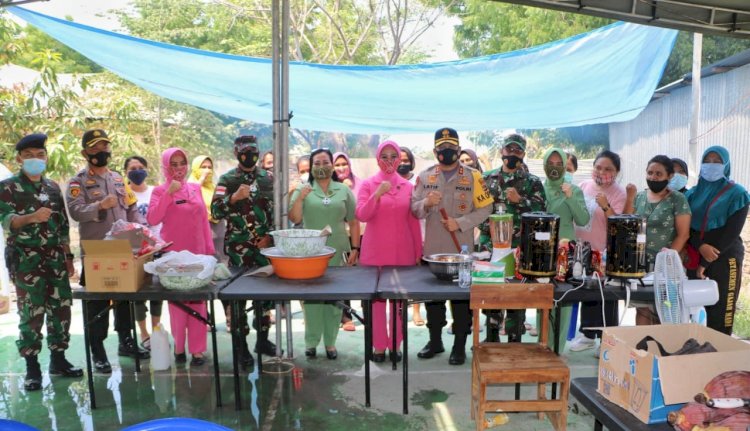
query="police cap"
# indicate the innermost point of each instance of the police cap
(446, 135)
(93, 137)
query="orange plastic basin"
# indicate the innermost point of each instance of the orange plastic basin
(300, 268)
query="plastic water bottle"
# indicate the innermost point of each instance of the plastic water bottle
(161, 357)
(464, 268)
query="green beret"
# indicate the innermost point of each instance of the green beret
(35, 140)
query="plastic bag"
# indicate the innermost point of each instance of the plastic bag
(160, 351)
(182, 270)
(221, 272)
(136, 233)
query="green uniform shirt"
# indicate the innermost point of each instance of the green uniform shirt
(335, 209)
(248, 220)
(20, 196)
(530, 188)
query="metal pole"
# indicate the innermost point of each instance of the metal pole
(695, 119)
(276, 59)
(285, 114)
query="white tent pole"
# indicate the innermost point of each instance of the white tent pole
(284, 114)
(278, 194)
(695, 120)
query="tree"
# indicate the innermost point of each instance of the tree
(70, 61)
(715, 48)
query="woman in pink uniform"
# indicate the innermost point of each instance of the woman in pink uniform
(392, 238)
(179, 207)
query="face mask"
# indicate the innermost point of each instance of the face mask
(447, 156)
(712, 171)
(342, 171)
(248, 158)
(137, 176)
(180, 173)
(512, 161)
(554, 172)
(304, 177)
(678, 182)
(388, 167)
(403, 169)
(34, 167)
(568, 178)
(322, 173)
(99, 159)
(602, 180)
(657, 186)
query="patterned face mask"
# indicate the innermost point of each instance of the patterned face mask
(602, 180)
(322, 172)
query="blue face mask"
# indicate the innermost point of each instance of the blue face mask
(678, 182)
(34, 167)
(137, 176)
(712, 171)
(568, 178)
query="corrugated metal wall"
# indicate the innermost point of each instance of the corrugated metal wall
(663, 127)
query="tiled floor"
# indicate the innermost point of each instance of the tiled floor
(319, 394)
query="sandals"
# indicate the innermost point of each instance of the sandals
(146, 344)
(349, 326)
(531, 330)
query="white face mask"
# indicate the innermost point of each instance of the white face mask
(712, 171)
(304, 177)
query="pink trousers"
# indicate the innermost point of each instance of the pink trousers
(382, 332)
(183, 324)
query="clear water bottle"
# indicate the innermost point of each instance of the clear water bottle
(464, 268)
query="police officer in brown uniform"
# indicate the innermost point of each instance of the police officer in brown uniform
(96, 198)
(461, 192)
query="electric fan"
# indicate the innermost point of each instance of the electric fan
(677, 299)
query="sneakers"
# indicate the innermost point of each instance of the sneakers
(581, 343)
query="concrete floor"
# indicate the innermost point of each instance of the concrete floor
(319, 395)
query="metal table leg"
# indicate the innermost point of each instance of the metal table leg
(87, 345)
(236, 355)
(404, 308)
(368, 348)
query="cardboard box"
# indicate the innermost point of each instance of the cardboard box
(4, 304)
(111, 267)
(650, 386)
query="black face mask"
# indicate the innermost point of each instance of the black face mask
(512, 161)
(447, 156)
(137, 176)
(99, 159)
(657, 186)
(248, 158)
(403, 169)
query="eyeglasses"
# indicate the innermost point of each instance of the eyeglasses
(514, 149)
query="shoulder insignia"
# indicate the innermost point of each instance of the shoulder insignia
(220, 191)
(74, 189)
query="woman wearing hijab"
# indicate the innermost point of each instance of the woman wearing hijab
(393, 237)
(604, 198)
(667, 217)
(567, 201)
(469, 158)
(202, 173)
(179, 207)
(679, 181)
(326, 202)
(719, 207)
(342, 165)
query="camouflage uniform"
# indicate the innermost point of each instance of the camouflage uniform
(531, 189)
(36, 262)
(248, 221)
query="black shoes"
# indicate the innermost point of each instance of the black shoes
(128, 347)
(458, 356)
(378, 357)
(310, 353)
(395, 356)
(246, 359)
(266, 347)
(101, 364)
(332, 354)
(180, 358)
(429, 351)
(197, 361)
(59, 366)
(33, 381)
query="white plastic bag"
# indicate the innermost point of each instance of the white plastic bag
(182, 270)
(161, 358)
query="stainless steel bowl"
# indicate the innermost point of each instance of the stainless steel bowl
(445, 265)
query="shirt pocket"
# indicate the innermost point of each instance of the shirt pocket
(462, 202)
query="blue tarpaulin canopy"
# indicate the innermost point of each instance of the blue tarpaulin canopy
(606, 75)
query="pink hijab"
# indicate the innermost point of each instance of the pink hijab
(166, 168)
(386, 172)
(351, 176)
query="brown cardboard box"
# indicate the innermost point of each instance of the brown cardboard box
(4, 304)
(111, 267)
(650, 386)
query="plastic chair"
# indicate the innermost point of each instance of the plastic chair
(11, 425)
(514, 363)
(177, 424)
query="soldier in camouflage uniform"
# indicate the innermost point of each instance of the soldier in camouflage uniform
(96, 198)
(39, 260)
(515, 191)
(244, 197)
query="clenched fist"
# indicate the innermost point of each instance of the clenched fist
(382, 189)
(174, 186)
(433, 198)
(108, 202)
(42, 215)
(243, 192)
(511, 194)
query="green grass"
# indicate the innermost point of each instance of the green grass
(742, 318)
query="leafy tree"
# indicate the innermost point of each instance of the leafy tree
(70, 61)
(715, 48)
